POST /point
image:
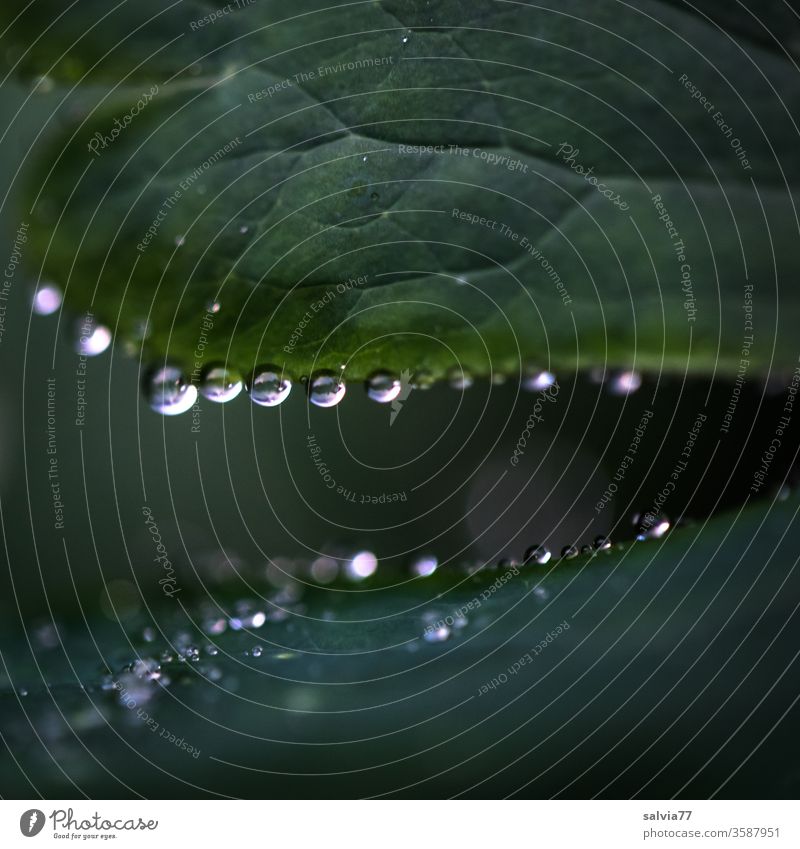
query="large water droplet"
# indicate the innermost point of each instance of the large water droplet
(459, 378)
(602, 543)
(625, 383)
(326, 389)
(167, 390)
(47, 299)
(92, 338)
(569, 551)
(538, 554)
(650, 525)
(362, 565)
(268, 386)
(383, 387)
(437, 635)
(219, 383)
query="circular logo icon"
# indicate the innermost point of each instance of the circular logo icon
(31, 822)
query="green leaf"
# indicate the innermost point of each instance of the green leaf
(277, 171)
(661, 637)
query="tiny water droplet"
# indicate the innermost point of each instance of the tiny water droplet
(268, 386)
(180, 241)
(219, 383)
(326, 389)
(458, 378)
(586, 549)
(243, 229)
(375, 196)
(425, 566)
(538, 381)
(650, 525)
(569, 551)
(363, 158)
(602, 543)
(213, 306)
(47, 299)
(406, 37)
(92, 338)
(167, 390)
(437, 635)
(625, 383)
(23, 692)
(383, 387)
(257, 651)
(538, 554)
(211, 651)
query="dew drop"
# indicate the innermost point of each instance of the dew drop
(602, 543)
(243, 229)
(538, 554)
(257, 651)
(92, 338)
(211, 651)
(326, 389)
(650, 525)
(167, 390)
(538, 381)
(458, 378)
(362, 566)
(424, 566)
(324, 570)
(268, 386)
(569, 551)
(437, 635)
(625, 383)
(47, 299)
(219, 383)
(213, 306)
(586, 549)
(383, 387)
(180, 241)
(23, 692)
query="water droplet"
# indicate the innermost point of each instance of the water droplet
(362, 565)
(422, 380)
(258, 619)
(406, 37)
(538, 381)
(538, 554)
(92, 338)
(586, 549)
(324, 570)
(220, 384)
(625, 383)
(569, 551)
(425, 566)
(363, 158)
(650, 525)
(602, 543)
(383, 387)
(462, 281)
(148, 635)
(167, 390)
(436, 635)
(211, 651)
(268, 386)
(257, 651)
(326, 389)
(47, 299)
(213, 306)
(375, 196)
(458, 378)
(243, 229)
